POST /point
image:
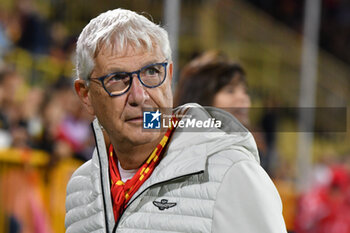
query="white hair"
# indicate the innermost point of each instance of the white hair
(118, 28)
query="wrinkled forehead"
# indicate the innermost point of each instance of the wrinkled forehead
(111, 58)
(127, 48)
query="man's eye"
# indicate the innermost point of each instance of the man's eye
(151, 71)
(117, 78)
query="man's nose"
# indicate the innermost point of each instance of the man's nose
(138, 95)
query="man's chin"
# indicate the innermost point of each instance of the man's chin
(138, 135)
(143, 137)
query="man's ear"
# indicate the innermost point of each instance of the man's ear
(171, 71)
(82, 90)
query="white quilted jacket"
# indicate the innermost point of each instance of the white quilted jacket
(206, 182)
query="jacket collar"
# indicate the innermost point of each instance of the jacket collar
(175, 163)
(100, 165)
(187, 150)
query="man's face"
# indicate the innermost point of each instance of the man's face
(121, 116)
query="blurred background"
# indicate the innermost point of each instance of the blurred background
(295, 54)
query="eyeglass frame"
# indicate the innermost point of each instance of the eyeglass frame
(130, 74)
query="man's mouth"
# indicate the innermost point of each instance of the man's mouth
(135, 119)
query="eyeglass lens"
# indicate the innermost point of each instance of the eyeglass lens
(151, 76)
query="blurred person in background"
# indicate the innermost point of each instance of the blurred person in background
(211, 79)
(148, 181)
(5, 42)
(22, 201)
(65, 127)
(5, 137)
(284, 180)
(13, 123)
(34, 29)
(325, 208)
(75, 127)
(21, 196)
(32, 119)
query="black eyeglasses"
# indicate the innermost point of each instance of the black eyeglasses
(118, 83)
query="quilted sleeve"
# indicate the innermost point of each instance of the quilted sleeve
(248, 202)
(84, 208)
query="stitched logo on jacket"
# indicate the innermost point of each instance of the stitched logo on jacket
(164, 204)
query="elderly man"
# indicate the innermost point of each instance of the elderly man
(178, 180)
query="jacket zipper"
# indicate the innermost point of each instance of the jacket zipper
(101, 175)
(190, 174)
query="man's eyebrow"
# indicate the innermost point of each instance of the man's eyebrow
(120, 69)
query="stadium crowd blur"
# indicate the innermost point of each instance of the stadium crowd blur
(37, 115)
